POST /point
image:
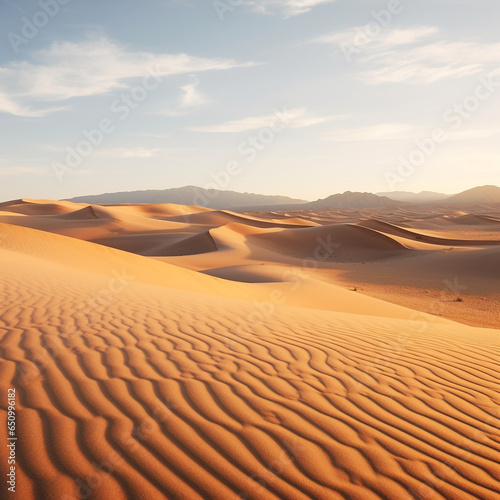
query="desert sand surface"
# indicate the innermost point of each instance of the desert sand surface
(167, 351)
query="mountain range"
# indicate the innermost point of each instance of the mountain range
(232, 200)
(483, 194)
(190, 195)
(352, 200)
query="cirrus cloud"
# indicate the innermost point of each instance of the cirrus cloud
(296, 118)
(286, 8)
(69, 69)
(418, 55)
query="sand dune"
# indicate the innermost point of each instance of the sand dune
(221, 217)
(138, 377)
(161, 209)
(350, 242)
(38, 207)
(68, 253)
(475, 219)
(192, 245)
(427, 236)
(416, 243)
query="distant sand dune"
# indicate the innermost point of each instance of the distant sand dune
(192, 245)
(351, 242)
(84, 214)
(26, 206)
(426, 238)
(475, 219)
(221, 217)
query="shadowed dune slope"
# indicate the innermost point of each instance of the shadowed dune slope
(193, 245)
(160, 210)
(424, 236)
(475, 220)
(83, 214)
(221, 217)
(337, 242)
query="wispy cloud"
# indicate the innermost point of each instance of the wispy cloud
(296, 118)
(380, 132)
(391, 38)
(482, 161)
(192, 96)
(13, 107)
(68, 69)
(22, 170)
(416, 55)
(462, 135)
(154, 135)
(140, 152)
(132, 152)
(82, 172)
(190, 99)
(286, 8)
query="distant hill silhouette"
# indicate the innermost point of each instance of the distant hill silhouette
(190, 195)
(482, 194)
(409, 197)
(351, 199)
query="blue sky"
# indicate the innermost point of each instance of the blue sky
(298, 97)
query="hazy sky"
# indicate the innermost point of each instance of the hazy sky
(298, 97)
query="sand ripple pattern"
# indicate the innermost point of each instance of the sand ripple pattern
(162, 393)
